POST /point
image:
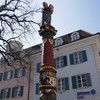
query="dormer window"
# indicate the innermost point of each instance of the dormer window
(75, 36)
(58, 42)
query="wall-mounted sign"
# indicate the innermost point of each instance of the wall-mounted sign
(81, 93)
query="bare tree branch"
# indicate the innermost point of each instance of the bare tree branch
(16, 19)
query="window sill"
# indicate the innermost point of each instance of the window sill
(61, 67)
(78, 63)
(61, 91)
(17, 96)
(19, 77)
(82, 87)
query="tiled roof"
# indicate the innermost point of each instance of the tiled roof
(66, 39)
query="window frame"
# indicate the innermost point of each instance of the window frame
(17, 91)
(58, 42)
(20, 72)
(8, 75)
(77, 58)
(5, 93)
(75, 83)
(83, 55)
(59, 62)
(75, 36)
(81, 81)
(61, 85)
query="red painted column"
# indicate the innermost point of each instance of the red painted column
(47, 83)
(47, 51)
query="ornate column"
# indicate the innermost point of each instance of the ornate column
(47, 83)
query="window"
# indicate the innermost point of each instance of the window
(60, 62)
(1, 76)
(37, 88)
(80, 81)
(19, 72)
(75, 36)
(0, 94)
(5, 93)
(8, 75)
(62, 84)
(58, 42)
(78, 57)
(17, 91)
(38, 67)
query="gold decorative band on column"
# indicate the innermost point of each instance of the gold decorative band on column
(45, 67)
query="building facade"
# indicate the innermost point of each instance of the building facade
(77, 61)
(14, 78)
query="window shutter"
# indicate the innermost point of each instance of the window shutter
(13, 92)
(1, 76)
(15, 73)
(38, 67)
(71, 59)
(23, 72)
(22, 88)
(37, 88)
(65, 60)
(84, 55)
(74, 83)
(11, 74)
(1, 91)
(66, 84)
(88, 79)
(4, 77)
(8, 94)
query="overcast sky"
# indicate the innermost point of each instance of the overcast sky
(71, 15)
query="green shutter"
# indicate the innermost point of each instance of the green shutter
(8, 94)
(71, 59)
(23, 72)
(13, 91)
(88, 79)
(21, 94)
(1, 91)
(38, 67)
(74, 83)
(66, 84)
(1, 76)
(84, 55)
(37, 88)
(4, 77)
(65, 60)
(15, 73)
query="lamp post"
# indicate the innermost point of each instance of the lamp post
(47, 80)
